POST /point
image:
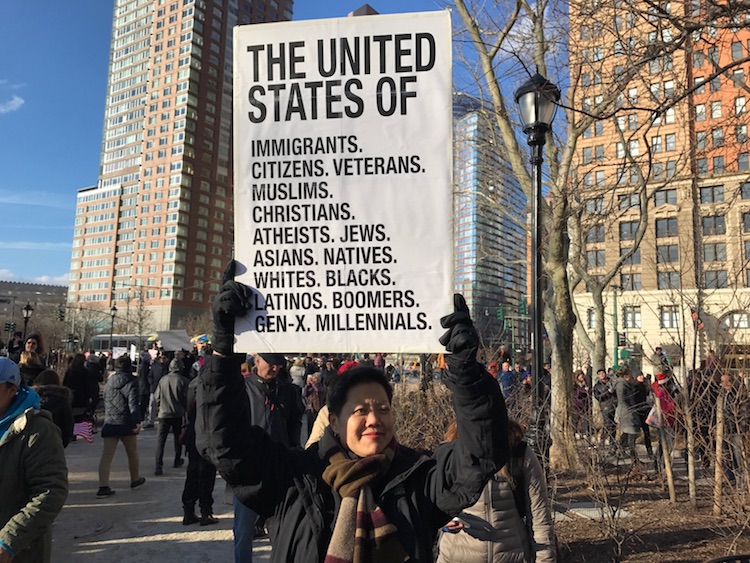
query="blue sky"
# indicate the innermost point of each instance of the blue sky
(53, 78)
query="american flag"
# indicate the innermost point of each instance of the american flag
(85, 430)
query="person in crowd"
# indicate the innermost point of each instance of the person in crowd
(171, 398)
(604, 393)
(297, 372)
(201, 473)
(94, 367)
(311, 367)
(666, 393)
(493, 369)
(122, 423)
(512, 520)
(736, 411)
(144, 386)
(276, 407)
(508, 383)
(30, 365)
(33, 471)
(644, 400)
(703, 394)
(159, 367)
(84, 386)
(328, 373)
(660, 362)
(626, 412)
(581, 405)
(379, 361)
(33, 343)
(315, 397)
(357, 481)
(713, 366)
(58, 400)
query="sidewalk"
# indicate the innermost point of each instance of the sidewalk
(144, 524)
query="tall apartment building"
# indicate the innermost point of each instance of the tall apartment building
(157, 226)
(489, 226)
(672, 150)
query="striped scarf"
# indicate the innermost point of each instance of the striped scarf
(362, 533)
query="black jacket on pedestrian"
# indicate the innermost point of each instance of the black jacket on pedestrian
(57, 399)
(277, 408)
(121, 406)
(84, 386)
(418, 494)
(605, 394)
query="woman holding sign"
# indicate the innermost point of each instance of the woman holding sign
(356, 495)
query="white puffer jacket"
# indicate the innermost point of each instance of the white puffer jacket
(495, 531)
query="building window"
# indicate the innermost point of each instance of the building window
(631, 316)
(714, 225)
(668, 280)
(712, 194)
(666, 227)
(700, 112)
(670, 140)
(656, 144)
(595, 234)
(590, 318)
(586, 155)
(595, 205)
(630, 282)
(701, 139)
(629, 201)
(715, 252)
(635, 258)
(716, 279)
(739, 105)
(671, 168)
(599, 152)
(715, 110)
(595, 258)
(717, 137)
(665, 197)
(718, 165)
(620, 150)
(745, 190)
(736, 50)
(740, 132)
(667, 253)
(736, 320)
(746, 222)
(628, 230)
(702, 166)
(669, 316)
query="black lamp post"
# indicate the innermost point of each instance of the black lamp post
(27, 312)
(112, 312)
(537, 100)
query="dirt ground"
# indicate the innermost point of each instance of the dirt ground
(653, 530)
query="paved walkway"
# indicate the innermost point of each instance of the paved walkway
(144, 524)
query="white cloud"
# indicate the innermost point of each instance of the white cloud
(38, 199)
(12, 105)
(53, 280)
(8, 275)
(26, 245)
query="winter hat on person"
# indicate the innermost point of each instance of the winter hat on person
(176, 365)
(9, 372)
(273, 359)
(662, 378)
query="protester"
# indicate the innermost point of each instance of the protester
(604, 393)
(297, 372)
(626, 413)
(158, 368)
(581, 405)
(30, 365)
(512, 520)
(171, 398)
(85, 388)
(57, 400)
(201, 473)
(315, 397)
(122, 423)
(312, 497)
(644, 400)
(33, 472)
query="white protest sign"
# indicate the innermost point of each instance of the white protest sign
(343, 170)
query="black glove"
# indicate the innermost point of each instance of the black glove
(232, 301)
(461, 339)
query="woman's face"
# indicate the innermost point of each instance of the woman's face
(366, 420)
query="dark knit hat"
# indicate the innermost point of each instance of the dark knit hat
(273, 359)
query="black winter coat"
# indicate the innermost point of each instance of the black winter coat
(121, 406)
(605, 394)
(57, 400)
(84, 386)
(418, 494)
(277, 408)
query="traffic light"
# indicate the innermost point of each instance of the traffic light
(501, 314)
(621, 339)
(523, 308)
(10, 327)
(61, 313)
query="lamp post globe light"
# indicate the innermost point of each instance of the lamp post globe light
(537, 101)
(112, 312)
(27, 311)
